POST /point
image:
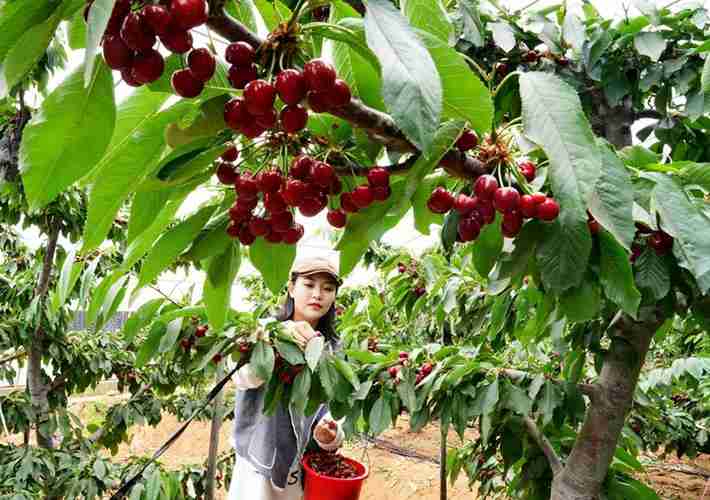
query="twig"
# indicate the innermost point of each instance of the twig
(544, 444)
(13, 358)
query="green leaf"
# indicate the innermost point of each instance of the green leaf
(411, 85)
(487, 248)
(99, 14)
(18, 17)
(689, 226)
(67, 136)
(517, 400)
(380, 415)
(172, 244)
(612, 200)
(145, 207)
(76, 31)
(651, 44)
(290, 352)
(149, 348)
(423, 217)
(134, 150)
(705, 77)
(273, 12)
(300, 389)
(697, 173)
(430, 16)
(217, 291)
(616, 275)
(328, 376)
(652, 274)
(581, 303)
(314, 349)
(347, 372)
(473, 29)
(29, 49)
(244, 12)
(486, 400)
(550, 401)
(172, 332)
(273, 261)
(262, 360)
(142, 317)
(68, 276)
(553, 117)
(503, 35)
(113, 299)
(405, 389)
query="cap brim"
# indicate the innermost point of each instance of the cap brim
(322, 271)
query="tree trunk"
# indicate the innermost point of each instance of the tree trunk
(587, 465)
(37, 387)
(214, 439)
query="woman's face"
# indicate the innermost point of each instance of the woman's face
(313, 296)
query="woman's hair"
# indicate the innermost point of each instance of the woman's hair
(325, 323)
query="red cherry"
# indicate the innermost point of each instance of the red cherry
(226, 174)
(512, 223)
(403, 355)
(293, 118)
(268, 119)
(393, 371)
(281, 221)
(274, 203)
(337, 218)
(465, 204)
(339, 94)
(258, 226)
(293, 234)
(274, 237)
(200, 331)
(485, 187)
(157, 17)
(381, 193)
(239, 53)
(136, 34)
(240, 213)
(336, 187)
(469, 229)
(538, 198)
(301, 167)
(318, 102)
(468, 140)
(202, 64)
(186, 344)
(246, 203)
(246, 187)
(362, 196)
(233, 229)
(189, 14)
(116, 52)
(177, 42)
(259, 96)
(245, 236)
(440, 201)
(240, 76)
(293, 193)
(148, 66)
(319, 75)
(347, 203)
(252, 130)
(594, 226)
(661, 242)
(378, 176)
(291, 86)
(236, 114)
(487, 212)
(230, 154)
(527, 168)
(270, 181)
(506, 199)
(311, 207)
(548, 210)
(127, 76)
(527, 206)
(186, 85)
(322, 173)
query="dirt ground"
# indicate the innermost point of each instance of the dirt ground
(392, 476)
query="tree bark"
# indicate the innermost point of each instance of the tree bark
(587, 466)
(214, 439)
(37, 387)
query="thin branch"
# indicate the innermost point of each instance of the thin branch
(15, 356)
(544, 444)
(648, 113)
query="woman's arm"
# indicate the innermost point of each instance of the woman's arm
(246, 379)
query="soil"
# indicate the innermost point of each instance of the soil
(392, 476)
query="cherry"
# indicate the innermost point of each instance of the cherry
(502, 69)
(186, 344)
(301, 167)
(506, 199)
(226, 174)
(538, 197)
(336, 187)
(319, 75)
(270, 181)
(230, 154)
(293, 234)
(239, 214)
(293, 193)
(136, 34)
(318, 102)
(157, 17)
(465, 205)
(487, 212)
(531, 56)
(252, 130)
(127, 75)
(236, 114)
(485, 187)
(403, 355)
(268, 119)
(240, 76)
(427, 368)
(247, 203)
(512, 223)
(378, 176)
(548, 210)
(419, 291)
(393, 371)
(239, 53)
(186, 85)
(643, 228)
(274, 203)
(244, 347)
(661, 242)
(202, 64)
(339, 94)
(310, 207)
(281, 221)
(233, 229)
(527, 168)
(148, 66)
(362, 196)
(293, 118)
(636, 251)
(469, 229)
(381, 193)
(217, 358)
(246, 187)
(337, 218)
(594, 226)
(322, 173)
(440, 201)
(189, 13)
(347, 203)
(468, 140)
(116, 52)
(258, 226)
(177, 42)
(245, 236)
(274, 237)
(401, 268)
(291, 86)
(259, 96)
(201, 330)
(528, 206)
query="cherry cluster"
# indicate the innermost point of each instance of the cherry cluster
(419, 288)
(660, 241)
(424, 370)
(308, 186)
(478, 210)
(188, 342)
(254, 113)
(286, 373)
(133, 31)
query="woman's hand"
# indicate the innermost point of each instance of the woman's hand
(326, 431)
(301, 332)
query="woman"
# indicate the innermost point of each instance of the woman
(269, 449)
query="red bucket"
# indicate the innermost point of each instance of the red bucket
(318, 487)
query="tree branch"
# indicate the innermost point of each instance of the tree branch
(544, 444)
(15, 356)
(648, 113)
(379, 126)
